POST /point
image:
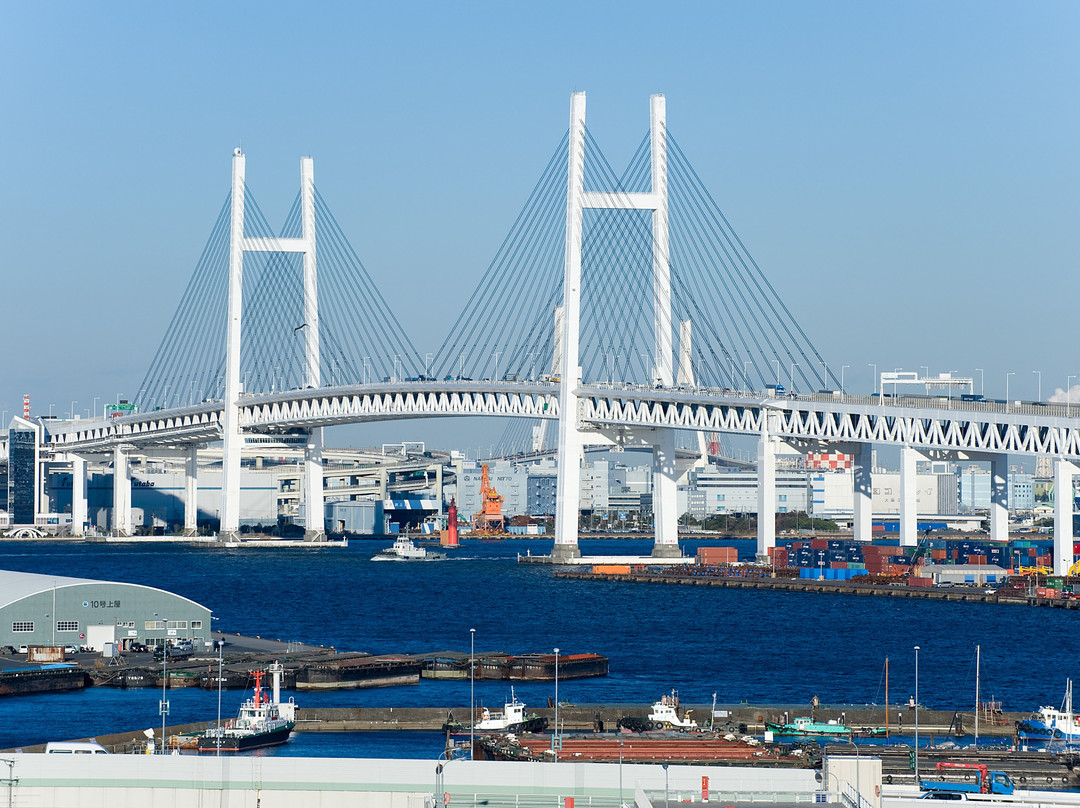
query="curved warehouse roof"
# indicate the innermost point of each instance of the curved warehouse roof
(15, 586)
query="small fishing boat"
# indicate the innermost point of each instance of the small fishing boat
(808, 728)
(664, 715)
(512, 719)
(1049, 724)
(263, 721)
(403, 549)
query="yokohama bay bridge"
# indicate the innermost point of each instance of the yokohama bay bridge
(621, 310)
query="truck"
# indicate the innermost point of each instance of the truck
(986, 781)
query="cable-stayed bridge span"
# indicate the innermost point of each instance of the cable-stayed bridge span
(622, 308)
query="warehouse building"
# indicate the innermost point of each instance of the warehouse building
(52, 610)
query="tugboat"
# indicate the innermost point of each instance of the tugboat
(262, 721)
(403, 549)
(664, 715)
(511, 720)
(1061, 725)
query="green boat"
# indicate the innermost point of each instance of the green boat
(809, 728)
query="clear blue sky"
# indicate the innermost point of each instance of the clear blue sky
(906, 173)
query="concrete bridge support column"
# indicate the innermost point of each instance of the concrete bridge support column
(1064, 471)
(232, 442)
(665, 496)
(999, 497)
(191, 492)
(863, 492)
(314, 503)
(568, 483)
(766, 498)
(78, 495)
(909, 501)
(121, 515)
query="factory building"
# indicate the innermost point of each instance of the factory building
(40, 609)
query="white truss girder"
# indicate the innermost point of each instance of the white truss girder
(955, 430)
(946, 429)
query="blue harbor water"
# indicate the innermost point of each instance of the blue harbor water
(746, 646)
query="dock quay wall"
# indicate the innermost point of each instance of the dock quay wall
(192, 781)
(825, 586)
(585, 717)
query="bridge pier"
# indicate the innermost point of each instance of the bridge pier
(909, 502)
(999, 497)
(191, 492)
(665, 496)
(863, 492)
(121, 511)
(78, 495)
(766, 500)
(1064, 472)
(314, 510)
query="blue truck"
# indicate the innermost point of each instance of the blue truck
(986, 781)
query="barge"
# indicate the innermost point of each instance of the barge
(47, 679)
(687, 748)
(359, 672)
(541, 667)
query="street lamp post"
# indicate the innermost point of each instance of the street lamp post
(666, 785)
(220, 646)
(791, 378)
(472, 698)
(842, 369)
(164, 679)
(621, 801)
(874, 366)
(1007, 375)
(916, 714)
(1068, 394)
(745, 374)
(982, 381)
(555, 737)
(1039, 374)
(777, 361)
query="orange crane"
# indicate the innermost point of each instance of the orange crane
(489, 519)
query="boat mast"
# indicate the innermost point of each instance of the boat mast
(1068, 709)
(978, 652)
(886, 697)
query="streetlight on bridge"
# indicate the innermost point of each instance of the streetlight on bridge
(1039, 373)
(842, 369)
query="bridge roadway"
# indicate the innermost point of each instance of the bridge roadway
(927, 423)
(921, 426)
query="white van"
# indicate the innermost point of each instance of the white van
(75, 748)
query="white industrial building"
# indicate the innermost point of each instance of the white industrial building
(54, 610)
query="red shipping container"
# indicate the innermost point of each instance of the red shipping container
(717, 555)
(780, 557)
(914, 581)
(975, 558)
(819, 544)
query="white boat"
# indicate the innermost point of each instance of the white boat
(665, 714)
(1050, 724)
(403, 549)
(262, 721)
(511, 719)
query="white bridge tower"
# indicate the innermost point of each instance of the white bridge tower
(231, 437)
(571, 440)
